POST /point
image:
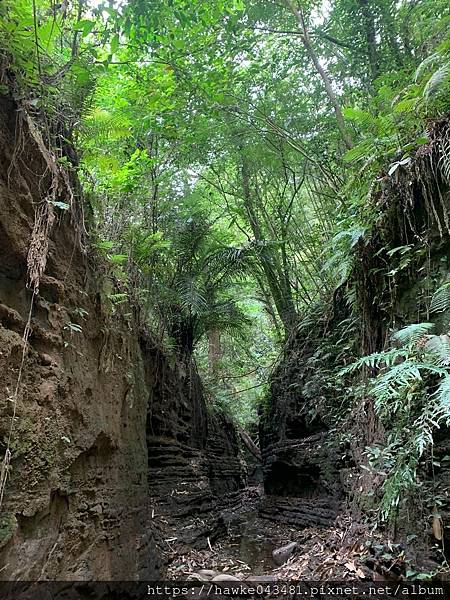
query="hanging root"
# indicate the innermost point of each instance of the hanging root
(7, 458)
(60, 182)
(59, 187)
(4, 473)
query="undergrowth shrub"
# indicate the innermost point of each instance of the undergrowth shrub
(410, 386)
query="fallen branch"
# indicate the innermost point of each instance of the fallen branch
(249, 444)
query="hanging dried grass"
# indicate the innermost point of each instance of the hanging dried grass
(38, 250)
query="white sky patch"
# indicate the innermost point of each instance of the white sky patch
(321, 14)
(92, 5)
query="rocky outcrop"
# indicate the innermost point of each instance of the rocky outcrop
(106, 428)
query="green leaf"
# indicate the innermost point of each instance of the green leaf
(407, 105)
(360, 151)
(85, 26)
(118, 259)
(74, 327)
(440, 301)
(114, 44)
(411, 334)
(104, 245)
(357, 115)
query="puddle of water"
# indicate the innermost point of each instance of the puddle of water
(249, 546)
(256, 552)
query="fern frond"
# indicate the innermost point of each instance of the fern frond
(437, 81)
(353, 235)
(413, 333)
(439, 346)
(441, 298)
(375, 361)
(429, 62)
(389, 385)
(443, 399)
(103, 126)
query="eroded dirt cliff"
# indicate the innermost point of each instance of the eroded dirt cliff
(111, 441)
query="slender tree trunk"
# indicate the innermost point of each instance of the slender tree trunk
(214, 351)
(281, 294)
(371, 42)
(307, 43)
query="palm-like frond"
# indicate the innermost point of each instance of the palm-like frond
(232, 261)
(192, 298)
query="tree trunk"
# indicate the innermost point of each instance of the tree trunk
(214, 351)
(276, 279)
(249, 443)
(370, 34)
(323, 74)
(182, 332)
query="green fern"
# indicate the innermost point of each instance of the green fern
(442, 395)
(429, 62)
(439, 346)
(402, 395)
(102, 126)
(377, 360)
(438, 82)
(440, 301)
(412, 334)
